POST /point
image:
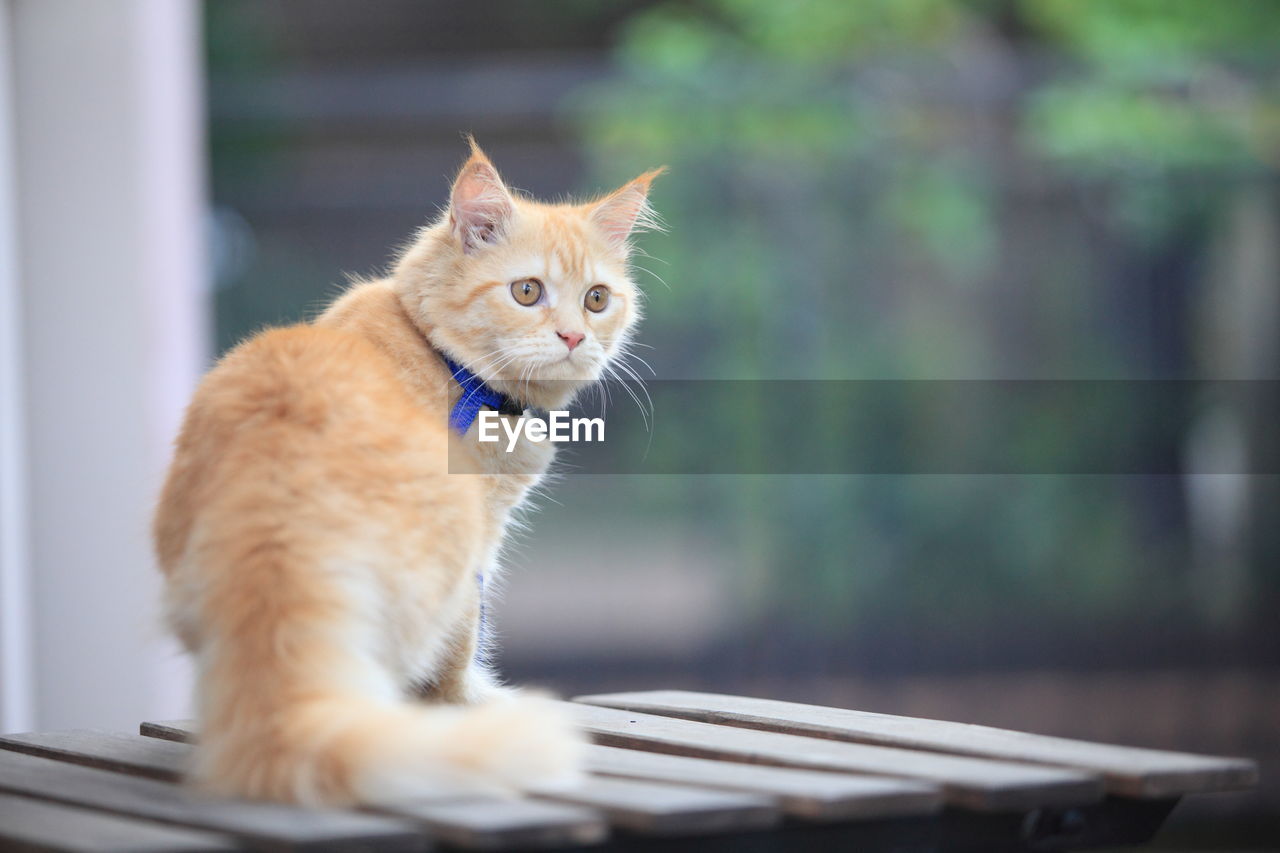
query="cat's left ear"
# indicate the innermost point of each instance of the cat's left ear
(626, 210)
(480, 206)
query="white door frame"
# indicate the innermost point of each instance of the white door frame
(16, 689)
(104, 319)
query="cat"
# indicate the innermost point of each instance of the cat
(324, 552)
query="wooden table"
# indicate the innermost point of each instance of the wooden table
(669, 770)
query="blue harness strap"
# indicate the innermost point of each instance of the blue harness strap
(475, 396)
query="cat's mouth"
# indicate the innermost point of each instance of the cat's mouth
(566, 368)
(566, 361)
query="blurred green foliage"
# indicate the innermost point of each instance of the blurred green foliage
(939, 189)
(860, 189)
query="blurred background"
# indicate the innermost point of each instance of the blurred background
(889, 189)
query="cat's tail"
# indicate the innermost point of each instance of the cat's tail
(345, 750)
(296, 701)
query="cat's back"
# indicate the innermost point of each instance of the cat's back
(298, 379)
(286, 418)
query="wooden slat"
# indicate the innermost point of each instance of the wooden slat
(637, 806)
(808, 794)
(655, 808)
(487, 823)
(1128, 771)
(261, 824)
(968, 782)
(181, 731)
(973, 783)
(475, 822)
(27, 824)
(124, 753)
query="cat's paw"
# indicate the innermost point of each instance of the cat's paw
(528, 741)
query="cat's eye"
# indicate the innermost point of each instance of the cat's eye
(597, 298)
(526, 291)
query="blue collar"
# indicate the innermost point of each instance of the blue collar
(475, 396)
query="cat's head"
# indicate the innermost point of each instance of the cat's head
(536, 299)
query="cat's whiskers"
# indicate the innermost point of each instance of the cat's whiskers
(496, 370)
(631, 372)
(624, 353)
(622, 380)
(602, 391)
(479, 364)
(525, 378)
(636, 250)
(475, 391)
(623, 345)
(648, 271)
(489, 354)
(499, 358)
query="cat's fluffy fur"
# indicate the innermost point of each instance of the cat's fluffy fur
(321, 548)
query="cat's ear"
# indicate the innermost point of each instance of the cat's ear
(480, 206)
(626, 210)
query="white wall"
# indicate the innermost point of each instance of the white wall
(106, 110)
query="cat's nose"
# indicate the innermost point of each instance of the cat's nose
(571, 339)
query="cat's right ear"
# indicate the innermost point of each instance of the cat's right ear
(480, 206)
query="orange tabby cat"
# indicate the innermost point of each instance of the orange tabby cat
(321, 548)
